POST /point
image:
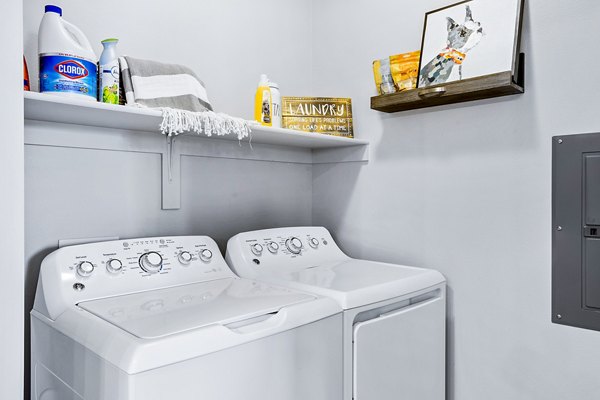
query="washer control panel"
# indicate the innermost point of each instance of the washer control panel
(251, 253)
(97, 270)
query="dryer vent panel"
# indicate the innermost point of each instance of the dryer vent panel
(576, 231)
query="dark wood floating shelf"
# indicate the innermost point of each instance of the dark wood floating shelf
(484, 87)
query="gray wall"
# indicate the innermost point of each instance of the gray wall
(11, 205)
(78, 193)
(466, 189)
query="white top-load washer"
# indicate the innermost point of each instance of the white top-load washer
(165, 318)
(394, 316)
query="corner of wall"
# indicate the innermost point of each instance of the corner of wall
(12, 203)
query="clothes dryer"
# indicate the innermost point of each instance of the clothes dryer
(394, 315)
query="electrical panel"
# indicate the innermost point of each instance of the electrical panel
(576, 230)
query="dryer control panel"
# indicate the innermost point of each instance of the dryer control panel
(79, 273)
(291, 249)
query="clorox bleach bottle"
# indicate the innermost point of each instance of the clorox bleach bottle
(67, 60)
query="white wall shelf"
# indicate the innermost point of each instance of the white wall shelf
(122, 128)
(44, 107)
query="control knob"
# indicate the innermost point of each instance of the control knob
(257, 249)
(114, 266)
(85, 268)
(185, 257)
(206, 255)
(273, 247)
(151, 262)
(294, 245)
(313, 242)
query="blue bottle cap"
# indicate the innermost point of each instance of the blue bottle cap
(54, 9)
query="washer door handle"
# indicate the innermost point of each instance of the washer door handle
(254, 324)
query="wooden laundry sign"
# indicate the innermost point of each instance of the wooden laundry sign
(329, 115)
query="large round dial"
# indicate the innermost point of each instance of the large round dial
(114, 266)
(206, 255)
(85, 268)
(185, 257)
(294, 245)
(151, 262)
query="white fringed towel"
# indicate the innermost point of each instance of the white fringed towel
(207, 122)
(180, 95)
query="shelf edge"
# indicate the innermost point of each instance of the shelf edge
(479, 88)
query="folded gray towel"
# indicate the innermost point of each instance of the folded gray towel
(157, 85)
(180, 95)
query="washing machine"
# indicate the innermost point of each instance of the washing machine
(394, 316)
(165, 318)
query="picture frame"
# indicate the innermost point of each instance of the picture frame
(470, 39)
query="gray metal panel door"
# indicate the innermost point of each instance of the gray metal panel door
(591, 188)
(576, 231)
(401, 355)
(592, 273)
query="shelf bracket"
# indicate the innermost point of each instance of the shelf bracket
(171, 175)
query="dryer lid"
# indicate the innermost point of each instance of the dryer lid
(355, 283)
(159, 313)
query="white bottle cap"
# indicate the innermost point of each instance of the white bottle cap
(264, 80)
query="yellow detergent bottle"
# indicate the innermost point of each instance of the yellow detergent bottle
(263, 103)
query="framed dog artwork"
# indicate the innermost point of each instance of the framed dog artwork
(470, 39)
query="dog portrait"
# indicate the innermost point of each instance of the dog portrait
(469, 39)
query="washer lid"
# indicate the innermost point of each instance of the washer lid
(355, 283)
(159, 313)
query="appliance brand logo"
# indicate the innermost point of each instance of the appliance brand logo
(71, 69)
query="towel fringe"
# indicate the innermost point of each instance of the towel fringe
(176, 122)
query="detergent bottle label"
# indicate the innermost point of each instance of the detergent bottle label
(66, 74)
(266, 110)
